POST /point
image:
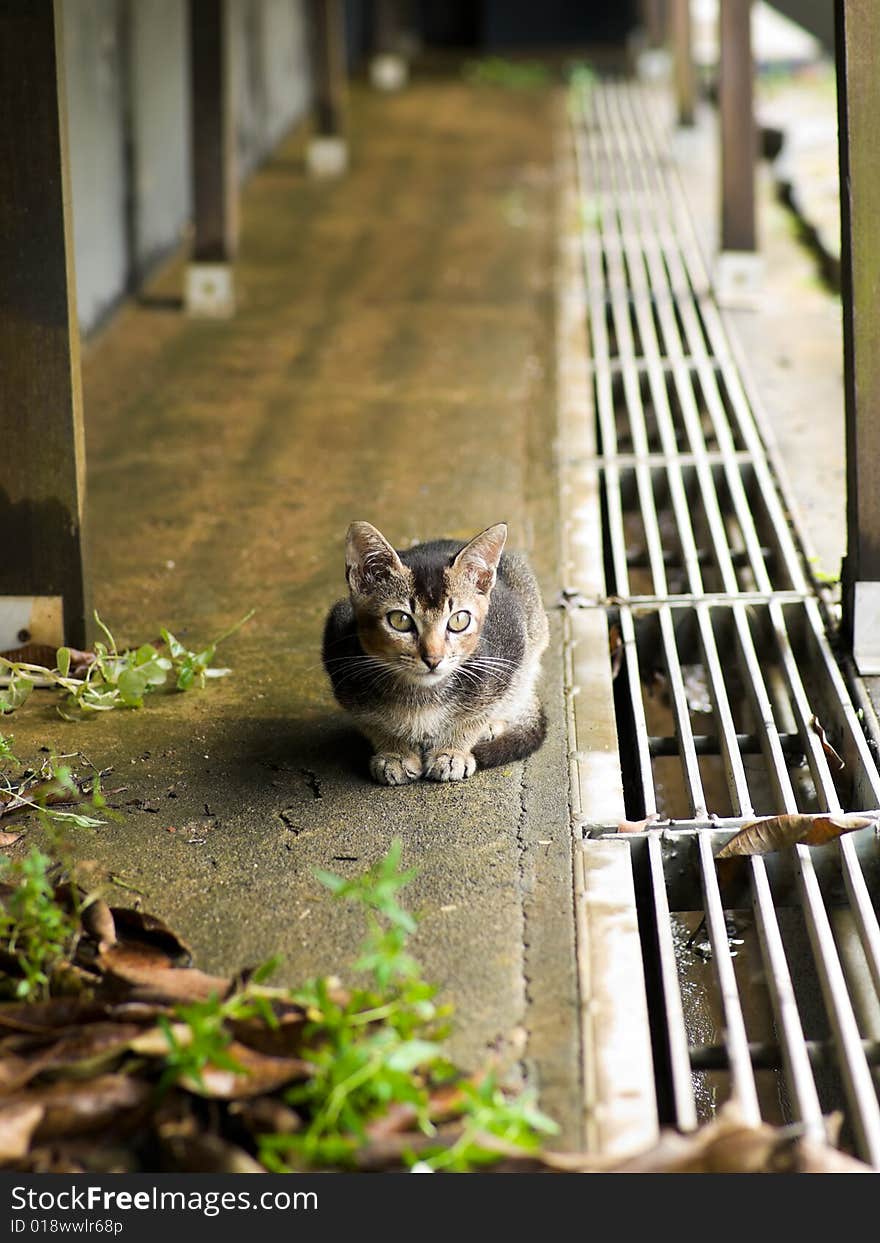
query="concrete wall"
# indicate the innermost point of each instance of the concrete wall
(127, 64)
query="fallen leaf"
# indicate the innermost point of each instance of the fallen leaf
(149, 930)
(97, 920)
(283, 1040)
(761, 837)
(266, 1115)
(637, 826)
(615, 648)
(9, 839)
(18, 1121)
(73, 1106)
(258, 1074)
(816, 727)
(154, 978)
(206, 1154)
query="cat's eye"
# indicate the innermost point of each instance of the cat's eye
(398, 620)
(459, 621)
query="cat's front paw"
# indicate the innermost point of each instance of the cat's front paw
(390, 769)
(450, 766)
(492, 730)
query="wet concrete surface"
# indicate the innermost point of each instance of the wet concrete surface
(391, 361)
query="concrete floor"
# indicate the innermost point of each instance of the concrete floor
(391, 361)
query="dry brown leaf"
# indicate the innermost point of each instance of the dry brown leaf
(206, 1154)
(259, 1074)
(283, 1040)
(142, 929)
(153, 977)
(816, 727)
(18, 1121)
(97, 920)
(727, 1145)
(616, 649)
(43, 1016)
(9, 839)
(761, 837)
(266, 1115)
(75, 1106)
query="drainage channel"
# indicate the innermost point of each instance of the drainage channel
(762, 982)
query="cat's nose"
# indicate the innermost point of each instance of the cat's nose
(431, 661)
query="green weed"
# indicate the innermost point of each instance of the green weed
(35, 929)
(380, 1046)
(41, 789)
(511, 74)
(113, 679)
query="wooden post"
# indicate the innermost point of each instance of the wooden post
(738, 269)
(209, 283)
(42, 478)
(327, 154)
(683, 61)
(858, 105)
(653, 19)
(738, 136)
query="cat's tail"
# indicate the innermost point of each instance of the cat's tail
(520, 740)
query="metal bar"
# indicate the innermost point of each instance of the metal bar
(215, 180)
(739, 146)
(768, 730)
(862, 907)
(768, 1056)
(328, 60)
(732, 758)
(795, 1056)
(681, 712)
(709, 744)
(742, 1076)
(826, 791)
(683, 61)
(676, 1033)
(858, 93)
(854, 1069)
(42, 497)
(854, 747)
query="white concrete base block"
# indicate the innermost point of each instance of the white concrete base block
(209, 290)
(389, 72)
(327, 157)
(738, 279)
(31, 619)
(654, 65)
(866, 628)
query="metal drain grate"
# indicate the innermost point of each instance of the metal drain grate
(727, 671)
(787, 1023)
(728, 687)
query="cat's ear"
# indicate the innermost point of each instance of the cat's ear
(369, 558)
(478, 560)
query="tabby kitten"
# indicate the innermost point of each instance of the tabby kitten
(436, 653)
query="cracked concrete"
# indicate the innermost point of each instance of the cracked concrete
(392, 360)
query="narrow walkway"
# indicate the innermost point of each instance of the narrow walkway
(391, 361)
